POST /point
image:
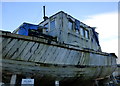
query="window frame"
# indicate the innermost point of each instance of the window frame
(72, 24)
(53, 20)
(47, 30)
(86, 34)
(82, 32)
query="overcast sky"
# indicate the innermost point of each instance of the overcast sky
(103, 15)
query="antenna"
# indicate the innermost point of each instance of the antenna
(45, 17)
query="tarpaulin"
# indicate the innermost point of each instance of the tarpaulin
(23, 29)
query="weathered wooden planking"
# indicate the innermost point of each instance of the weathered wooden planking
(31, 51)
(95, 59)
(42, 51)
(87, 59)
(14, 49)
(82, 61)
(46, 54)
(85, 62)
(66, 56)
(56, 61)
(19, 50)
(26, 50)
(8, 47)
(5, 42)
(29, 67)
(1, 39)
(50, 54)
(71, 57)
(113, 61)
(36, 53)
(62, 56)
(106, 60)
(76, 59)
(101, 60)
(81, 58)
(55, 54)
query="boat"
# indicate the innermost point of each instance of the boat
(59, 50)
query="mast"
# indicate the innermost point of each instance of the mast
(45, 17)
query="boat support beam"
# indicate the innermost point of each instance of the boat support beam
(56, 83)
(96, 82)
(13, 80)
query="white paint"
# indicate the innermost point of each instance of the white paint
(13, 79)
(27, 81)
(56, 83)
(1, 83)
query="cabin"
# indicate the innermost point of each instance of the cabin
(71, 31)
(66, 29)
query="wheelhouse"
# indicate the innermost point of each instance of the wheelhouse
(71, 31)
(66, 29)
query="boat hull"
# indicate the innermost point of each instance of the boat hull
(44, 58)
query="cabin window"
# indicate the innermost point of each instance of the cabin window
(82, 32)
(77, 31)
(46, 25)
(52, 25)
(70, 25)
(86, 34)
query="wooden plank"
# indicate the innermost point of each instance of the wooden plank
(36, 53)
(88, 58)
(86, 61)
(56, 61)
(0, 48)
(102, 62)
(70, 57)
(31, 51)
(19, 50)
(66, 56)
(50, 54)
(38, 57)
(51, 57)
(14, 49)
(1, 39)
(9, 46)
(3, 44)
(81, 59)
(76, 58)
(62, 56)
(54, 55)
(30, 67)
(73, 57)
(41, 55)
(6, 41)
(13, 80)
(47, 54)
(26, 50)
